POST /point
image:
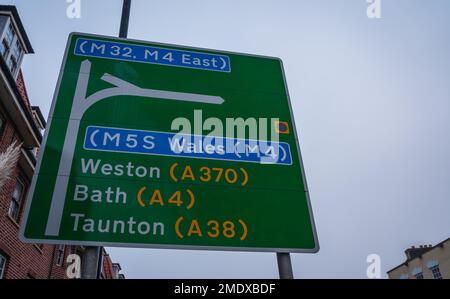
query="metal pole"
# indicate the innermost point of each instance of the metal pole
(99, 262)
(92, 256)
(284, 265)
(89, 262)
(125, 19)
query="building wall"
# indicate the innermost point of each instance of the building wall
(20, 82)
(59, 271)
(23, 260)
(438, 253)
(107, 271)
(29, 262)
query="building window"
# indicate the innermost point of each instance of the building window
(3, 261)
(419, 275)
(16, 55)
(17, 50)
(12, 64)
(436, 272)
(116, 269)
(7, 41)
(39, 246)
(9, 37)
(2, 124)
(60, 251)
(4, 48)
(11, 50)
(14, 208)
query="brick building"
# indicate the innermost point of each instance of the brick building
(109, 269)
(24, 123)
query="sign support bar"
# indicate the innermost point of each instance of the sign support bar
(284, 265)
(92, 256)
(90, 263)
(125, 19)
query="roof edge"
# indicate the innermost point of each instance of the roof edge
(39, 115)
(433, 247)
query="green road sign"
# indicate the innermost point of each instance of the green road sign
(164, 146)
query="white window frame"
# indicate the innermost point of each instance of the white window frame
(60, 253)
(438, 270)
(8, 55)
(3, 33)
(12, 62)
(17, 201)
(419, 275)
(4, 36)
(3, 262)
(2, 124)
(2, 41)
(9, 26)
(19, 47)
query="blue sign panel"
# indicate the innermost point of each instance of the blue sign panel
(153, 55)
(189, 146)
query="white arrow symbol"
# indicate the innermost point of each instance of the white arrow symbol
(132, 90)
(80, 105)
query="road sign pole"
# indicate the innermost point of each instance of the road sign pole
(125, 19)
(284, 265)
(92, 256)
(90, 263)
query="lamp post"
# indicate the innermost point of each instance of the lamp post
(92, 255)
(123, 33)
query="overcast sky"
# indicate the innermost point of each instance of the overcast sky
(371, 100)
